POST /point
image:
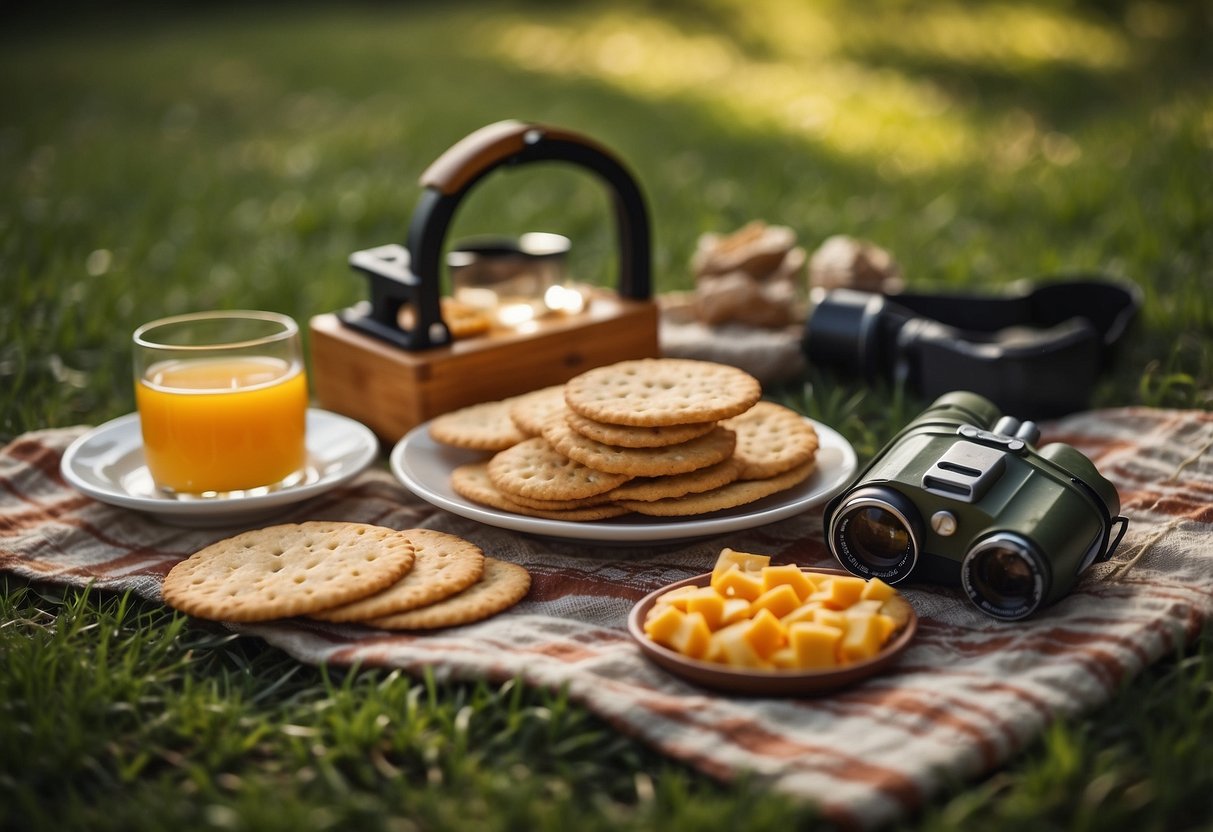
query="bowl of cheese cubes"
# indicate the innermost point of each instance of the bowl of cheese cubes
(754, 628)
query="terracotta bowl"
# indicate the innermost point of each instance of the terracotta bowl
(760, 682)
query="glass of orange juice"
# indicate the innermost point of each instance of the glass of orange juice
(222, 399)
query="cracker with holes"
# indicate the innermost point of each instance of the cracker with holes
(534, 469)
(478, 427)
(661, 391)
(771, 439)
(691, 455)
(734, 494)
(502, 586)
(472, 482)
(287, 570)
(443, 565)
(530, 410)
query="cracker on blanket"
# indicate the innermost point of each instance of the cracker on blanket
(728, 496)
(479, 427)
(472, 482)
(661, 391)
(287, 570)
(640, 462)
(771, 439)
(534, 469)
(444, 564)
(502, 586)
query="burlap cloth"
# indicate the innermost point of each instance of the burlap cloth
(969, 692)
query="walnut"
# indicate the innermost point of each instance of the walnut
(748, 277)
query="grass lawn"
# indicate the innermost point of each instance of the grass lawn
(155, 162)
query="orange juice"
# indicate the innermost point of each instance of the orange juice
(222, 424)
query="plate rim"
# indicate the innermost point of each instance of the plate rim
(369, 448)
(760, 682)
(611, 531)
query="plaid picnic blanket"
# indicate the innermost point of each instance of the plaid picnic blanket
(967, 695)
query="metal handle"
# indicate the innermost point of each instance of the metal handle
(446, 182)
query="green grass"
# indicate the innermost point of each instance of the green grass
(156, 161)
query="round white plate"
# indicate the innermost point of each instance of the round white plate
(424, 467)
(107, 464)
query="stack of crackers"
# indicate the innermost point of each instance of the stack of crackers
(416, 579)
(665, 437)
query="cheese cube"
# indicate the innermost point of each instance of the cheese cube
(692, 638)
(765, 633)
(815, 645)
(732, 647)
(788, 574)
(785, 658)
(887, 626)
(735, 583)
(709, 603)
(780, 600)
(877, 589)
(742, 560)
(677, 597)
(735, 609)
(843, 592)
(664, 624)
(869, 607)
(862, 639)
(802, 613)
(831, 618)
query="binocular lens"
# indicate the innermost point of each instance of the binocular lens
(879, 537)
(874, 536)
(1003, 578)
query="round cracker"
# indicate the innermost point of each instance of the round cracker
(661, 391)
(640, 462)
(530, 410)
(444, 565)
(729, 496)
(479, 427)
(472, 482)
(772, 439)
(625, 436)
(534, 469)
(287, 570)
(502, 586)
(692, 482)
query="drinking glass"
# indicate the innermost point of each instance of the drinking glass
(222, 399)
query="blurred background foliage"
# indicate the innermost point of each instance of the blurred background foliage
(158, 158)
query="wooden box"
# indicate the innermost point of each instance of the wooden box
(392, 390)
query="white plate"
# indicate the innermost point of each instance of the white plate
(107, 464)
(425, 466)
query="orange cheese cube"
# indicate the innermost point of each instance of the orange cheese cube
(878, 590)
(869, 607)
(664, 624)
(887, 625)
(765, 633)
(744, 561)
(862, 639)
(788, 574)
(692, 638)
(815, 645)
(830, 618)
(780, 600)
(785, 658)
(843, 592)
(710, 604)
(802, 613)
(676, 597)
(734, 583)
(731, 646)
(735, 609)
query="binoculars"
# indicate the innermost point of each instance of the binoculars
(961, 497)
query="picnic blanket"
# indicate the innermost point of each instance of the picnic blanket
(967, 695)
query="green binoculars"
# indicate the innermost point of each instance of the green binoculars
(962, 497)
